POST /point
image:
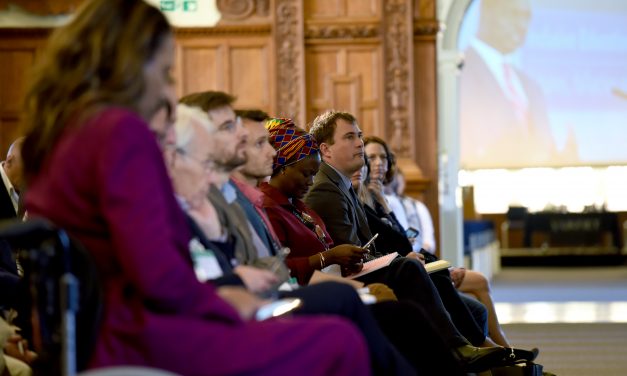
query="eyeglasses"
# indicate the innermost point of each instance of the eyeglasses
(206, 164)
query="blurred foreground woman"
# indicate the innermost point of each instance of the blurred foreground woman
(95, 169)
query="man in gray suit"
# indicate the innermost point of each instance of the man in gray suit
(342, 152)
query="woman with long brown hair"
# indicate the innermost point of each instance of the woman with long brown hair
(95, 169)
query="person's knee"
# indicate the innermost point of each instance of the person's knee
(480, 280)
(410, 267)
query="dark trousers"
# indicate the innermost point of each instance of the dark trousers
(469, 316)
(409, 328)
(479, 312)
(341, 299)
(410, 281)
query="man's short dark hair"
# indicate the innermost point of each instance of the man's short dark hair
(323, 126)
(252, 114)
(208, 100)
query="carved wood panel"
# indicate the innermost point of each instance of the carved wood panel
(242, 66)
(200, 67)
(10, 130)
(237, 10)
(289, 41)
(398, 74)
(13, 77)
(346, 78)
(331, 9)
(18, 53)
(424, 9)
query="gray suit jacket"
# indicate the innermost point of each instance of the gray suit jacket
(331, 199)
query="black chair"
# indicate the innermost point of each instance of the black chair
(61, 285)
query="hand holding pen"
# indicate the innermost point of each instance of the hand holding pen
(367, 246)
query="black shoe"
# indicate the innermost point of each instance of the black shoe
(515, 355)
(478, 359)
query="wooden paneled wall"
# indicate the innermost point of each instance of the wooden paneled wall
(298, 58)
(18, 52)
(242, 64)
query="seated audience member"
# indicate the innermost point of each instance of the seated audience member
(381, 219)
(412, 213)
(300, 228)
(89, 159)
(12, 179)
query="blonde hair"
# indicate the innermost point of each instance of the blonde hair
(364, 195)
(96, 60)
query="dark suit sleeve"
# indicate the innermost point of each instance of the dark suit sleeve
(330, 203)
(390, 239)
(221, 250)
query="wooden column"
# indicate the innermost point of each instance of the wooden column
(399, 90)
(425, 30)
(290, 57)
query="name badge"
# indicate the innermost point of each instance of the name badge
(206, 264)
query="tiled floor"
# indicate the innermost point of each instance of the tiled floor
(561, 294)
